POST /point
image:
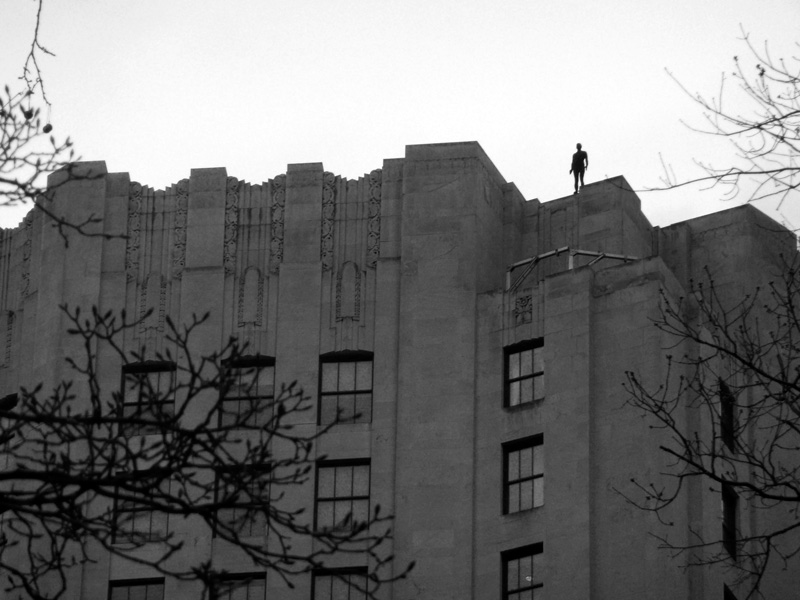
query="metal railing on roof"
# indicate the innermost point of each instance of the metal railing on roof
(530, 263)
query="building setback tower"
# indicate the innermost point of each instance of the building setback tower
(472, 343)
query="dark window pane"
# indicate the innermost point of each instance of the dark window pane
(526, 393)
(330, 377)
(364, 375)
(526, 362)
(347, 376)
(513, 393)
(513, 498)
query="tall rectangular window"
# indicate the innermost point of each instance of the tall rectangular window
(135, 520)
(523, 474)
(247, 402)
(136, 589)
(522, 573)
(340, 584)
(246, 586)
(148, 397)
(730, 519)
(728, 423)
(524, 372)
(247, 499)
(342, 496)
(345, 389)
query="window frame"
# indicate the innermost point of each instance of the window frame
(531, 550)
(122, 583)
(252, 523)
(515, 446)
(533, 345)
(242, 364)
(125, 537)
(333, 500)
(145, 368)
(730, 520)
(345, 356)
(339, 573)
(232, 578)
(727, 415)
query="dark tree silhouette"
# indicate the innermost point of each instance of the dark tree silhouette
(29, 147)
(87, 469)
(736, 369)
(766, 136)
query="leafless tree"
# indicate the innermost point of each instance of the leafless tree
(88, 470)
(29, 148)
(738, 371)
(765, 135)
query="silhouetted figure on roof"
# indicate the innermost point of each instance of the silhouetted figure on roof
(580, 162)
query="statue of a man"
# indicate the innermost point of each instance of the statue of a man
(580, 162)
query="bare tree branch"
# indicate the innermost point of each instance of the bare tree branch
(741, 375)
(766, 139)
(86, 468)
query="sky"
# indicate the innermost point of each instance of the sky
(158, 87)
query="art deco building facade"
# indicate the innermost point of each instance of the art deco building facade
(491, 419)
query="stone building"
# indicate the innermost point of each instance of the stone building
(492, 422)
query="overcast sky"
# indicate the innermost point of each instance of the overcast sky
(158, 87)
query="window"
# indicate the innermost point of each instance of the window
(135, 521)
(342, 494)
(249, 586)
(248, 400)
(136, 589)
(523, 468)
(148, 396)
(730, 510)
(340, 584)
(727, 423)
(345, 389)
(244, 493)
(524, 372)
(7, 404)
(522, 573)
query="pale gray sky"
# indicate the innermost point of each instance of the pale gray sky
(157, 87)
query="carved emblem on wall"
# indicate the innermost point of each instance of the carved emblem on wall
(523, 310)
(25, 282)
(348, 292)
(278, 189)
(231, 224)
(374, 222)
(328, 214)
(181, 207)
(134, 227)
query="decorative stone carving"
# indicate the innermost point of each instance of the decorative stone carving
(328, 214)
(9, 338)
(153, 296)
(231, 224)
(523, 310)
(25, 283)
(374, 216)
(348, 292)
(278, 190)
(134, 230)
(181, 208)
(251, 298)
